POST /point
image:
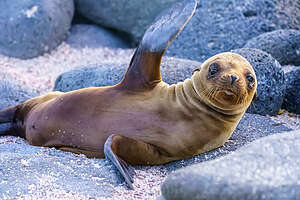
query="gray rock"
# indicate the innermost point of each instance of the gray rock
(91, 36)
(271, 81)
(266, 169)
(12, 93)
(292, 97)
(160, 198)
(33, 27)
(79, 19)
(131, 16)
(91, 76)
(173, 70)
(219, 26)
(283, 45)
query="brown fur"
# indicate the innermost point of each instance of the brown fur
(169, 122)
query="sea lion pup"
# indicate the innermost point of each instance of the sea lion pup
(142, 120)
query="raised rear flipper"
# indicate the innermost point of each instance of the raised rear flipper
(144, 69)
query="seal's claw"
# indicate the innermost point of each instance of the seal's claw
(120, 164)
(126, 166)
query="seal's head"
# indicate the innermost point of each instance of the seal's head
(226, 82)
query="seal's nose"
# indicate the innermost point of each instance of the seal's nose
(233, 78)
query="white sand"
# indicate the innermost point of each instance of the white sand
(40, 73)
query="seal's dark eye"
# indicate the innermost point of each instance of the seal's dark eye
(250, 78)
(213, 69)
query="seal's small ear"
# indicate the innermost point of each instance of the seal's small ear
(255, 96)
(197, 69)
(144, 69)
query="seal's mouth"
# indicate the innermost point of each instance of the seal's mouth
(225, 100)
(229, 93)
(226, 96)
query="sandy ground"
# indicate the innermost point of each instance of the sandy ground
(40, 74)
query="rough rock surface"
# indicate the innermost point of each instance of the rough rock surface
(283, 45)
(37, 172)
(219, 26)
(266, 169)
(291, 100)
(131, 16)
(271, 81)
(212, 29)
(92, 36)
(12, 93)
(173, 70)
(31, 28)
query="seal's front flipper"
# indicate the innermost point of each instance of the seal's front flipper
(144, 69)
(122, 150)
(110, 153)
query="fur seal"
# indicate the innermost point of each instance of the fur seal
(142, 120)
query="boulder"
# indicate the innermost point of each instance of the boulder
(173, 70)
(32, 27)
(130, 16)
(283, 45)
(265, 169)
(271, 81)
(92, 36)
(291, 100)
(12, 93)
(79, 19)
(219, 26)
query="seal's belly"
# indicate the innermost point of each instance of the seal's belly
(92, 134)
(87, 126)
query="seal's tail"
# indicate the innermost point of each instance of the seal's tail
(12, 118)
(8, 121)
(7, 114)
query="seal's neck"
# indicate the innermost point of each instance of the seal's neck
(190, 96)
